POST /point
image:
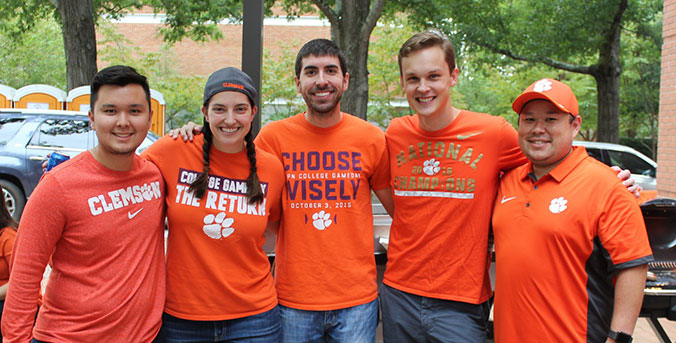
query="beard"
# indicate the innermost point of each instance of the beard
(323, 108)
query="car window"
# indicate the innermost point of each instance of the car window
(150, 139)
(8, 128)
(595, 153)
(62, 133)
(629, 161)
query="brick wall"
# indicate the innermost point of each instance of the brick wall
(666, 149)
(204, 58)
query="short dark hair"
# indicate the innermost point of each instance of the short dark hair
(6, 219)
(120, 76)
(424, 40)
(320, 47)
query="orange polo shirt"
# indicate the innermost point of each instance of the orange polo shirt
(559, 241)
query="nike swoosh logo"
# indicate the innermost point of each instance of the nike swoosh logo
(504, 200)
(461, 137)
(132, 215)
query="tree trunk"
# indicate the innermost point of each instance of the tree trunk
(79, 40)
(607, 74)
(352, 22)
(608, 119)
(353, 39)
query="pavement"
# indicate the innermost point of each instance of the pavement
(643, 332)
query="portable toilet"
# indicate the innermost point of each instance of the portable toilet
(6, 96)
(40, 97)
(158, 105)
(78, 99)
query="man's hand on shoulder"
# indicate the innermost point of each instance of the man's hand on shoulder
(187, 131)
(627, 180)
(45, 162)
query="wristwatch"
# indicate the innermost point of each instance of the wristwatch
(620, 337)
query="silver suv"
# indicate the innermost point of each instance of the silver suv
(27, 136)
(643, 169)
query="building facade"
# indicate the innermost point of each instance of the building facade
(666, 149)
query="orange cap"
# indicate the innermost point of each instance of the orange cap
(552, 90)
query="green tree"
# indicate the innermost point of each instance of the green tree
(185, 18)
(575, 36)
(195, 19)
(278, 89)
(489, 83)
(77, 19)
(352, 22)
(640, 85)
(182, 93)
(386, 96)
(33, 56)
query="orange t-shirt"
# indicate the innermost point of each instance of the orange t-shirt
(325, 245)
(216, 266)
(558, 242)
(444, 185)
(7, 238)
(101, 230)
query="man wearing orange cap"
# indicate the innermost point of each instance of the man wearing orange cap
(445, 166)
(565, 227)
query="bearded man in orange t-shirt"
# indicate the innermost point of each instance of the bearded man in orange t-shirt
(325, 270)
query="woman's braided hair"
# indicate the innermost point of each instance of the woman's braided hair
(254, 192)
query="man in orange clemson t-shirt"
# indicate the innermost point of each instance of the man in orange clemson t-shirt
(326, 273)
(98, 219)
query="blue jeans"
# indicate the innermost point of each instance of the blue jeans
(157, 339)
(410, 318)
(260, 328)
(355, 324)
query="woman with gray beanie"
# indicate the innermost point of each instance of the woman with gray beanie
(222, 193)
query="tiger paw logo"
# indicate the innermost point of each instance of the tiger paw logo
(218, 226)
(431, 167)
(146, 192)
(321, 220)
(542, 85)
(558, 205)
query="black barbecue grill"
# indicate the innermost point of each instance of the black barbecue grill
(659, 299)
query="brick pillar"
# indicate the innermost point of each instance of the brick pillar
(666, 148)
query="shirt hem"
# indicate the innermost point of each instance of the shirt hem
(327, 307)
(219, 317)
(452, 297)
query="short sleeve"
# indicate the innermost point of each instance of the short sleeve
(622, 230)
(510, 154)
(264, 141)
(380, 178)
(275, 186)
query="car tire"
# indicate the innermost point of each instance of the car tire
(14, 198)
